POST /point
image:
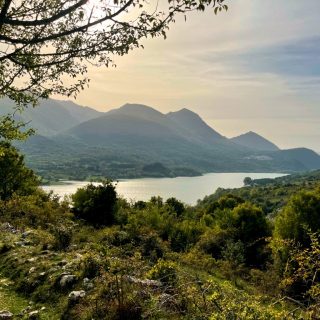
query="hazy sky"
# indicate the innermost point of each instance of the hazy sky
(256, 67)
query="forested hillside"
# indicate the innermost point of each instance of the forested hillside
(80, 143)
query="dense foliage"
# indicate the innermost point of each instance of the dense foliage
(15, 177)
(226, 258)
(96, 204)
(47, 41)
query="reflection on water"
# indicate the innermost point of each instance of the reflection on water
(186, 189)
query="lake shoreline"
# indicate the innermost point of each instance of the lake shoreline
(67, 181)
(185, 189)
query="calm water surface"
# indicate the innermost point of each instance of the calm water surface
(186, 189)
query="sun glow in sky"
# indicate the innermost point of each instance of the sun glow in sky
(256, 68)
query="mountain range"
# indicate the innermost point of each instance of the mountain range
(135, 140)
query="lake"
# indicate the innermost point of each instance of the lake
(186, 189)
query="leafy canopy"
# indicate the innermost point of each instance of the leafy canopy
(96, 204)
(43, 42)
(14, 176)
(300, 215)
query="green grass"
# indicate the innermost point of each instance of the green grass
(15, 303)
(9, 300)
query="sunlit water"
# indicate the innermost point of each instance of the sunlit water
(186, 189)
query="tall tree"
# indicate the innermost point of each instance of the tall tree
(42, 42)
(15, 177)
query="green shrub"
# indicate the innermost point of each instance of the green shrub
(164, 271)
(300, 215)
(91, 265)
(175, 206)
(15, 177)
(213, 241)
(96, 204)
(152, 246)
(5, 247)
(37, 211)
(185, 234)
(62, 235)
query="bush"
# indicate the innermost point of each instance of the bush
(62, 235)
(164, 271)
(91, 265)
(301, 214)
(229, 201)
(152, 246)
(213, 241)
(251, 228)
(96, 204)
(185, 234)
(36, 210)
(175, 206)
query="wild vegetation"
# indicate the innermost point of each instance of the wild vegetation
(248, 253)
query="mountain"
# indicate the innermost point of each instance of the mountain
(138, 126)
(305, 157)
(253, 140)
(135, 140)
(51, 116)
(193, 125)
(131, 125)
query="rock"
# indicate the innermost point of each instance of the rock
(6, 314)
(25, 234)
(78, 256)
(26, 309)
(145, 283)
(76, 295)
(67, 279)
(19, 243)
(53, 269)
(166, 299)
(9, 228)
(32, 269)
(88, 285)
(86, 280)
(34, 315)
(62, 263)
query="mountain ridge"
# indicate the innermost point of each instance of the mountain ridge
(255, 141)
(50, 116)
(125, 141)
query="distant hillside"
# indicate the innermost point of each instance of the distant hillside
(51, 116)
(131, 126)
(254, 141)
(308, 158)
(135, 140)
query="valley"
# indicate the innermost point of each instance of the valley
(135, 141)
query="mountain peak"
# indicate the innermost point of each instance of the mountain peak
(138, 111)
(137, 107)
(184, 112)
(253, 140)
(192, 122)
